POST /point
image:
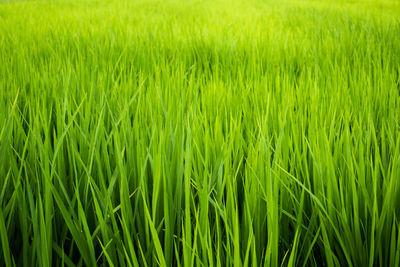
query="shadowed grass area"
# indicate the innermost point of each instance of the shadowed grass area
(200, 133)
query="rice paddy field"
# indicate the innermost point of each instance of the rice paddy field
(200, 133)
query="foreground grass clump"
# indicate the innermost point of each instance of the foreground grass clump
(206, 133)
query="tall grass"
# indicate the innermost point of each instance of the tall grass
(200, 133)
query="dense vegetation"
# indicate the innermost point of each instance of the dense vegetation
(206, 133)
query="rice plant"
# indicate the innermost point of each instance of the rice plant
(200, 133)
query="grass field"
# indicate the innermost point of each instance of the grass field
(200, 133)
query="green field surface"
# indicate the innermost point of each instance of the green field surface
(200, 133)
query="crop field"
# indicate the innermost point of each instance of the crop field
(200, 133)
